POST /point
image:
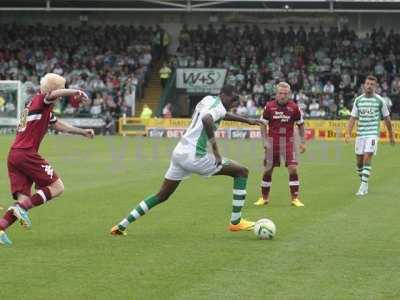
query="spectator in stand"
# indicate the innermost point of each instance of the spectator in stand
(242, 110)
(145, 58)
(329, 88)
(167, 113)
(161, 41)
(269, 88)
(96, 108)
(379, 69)
(258, 88)
(109, 124)
(327, 102)
(321, 113)
(388, 101)
(165, 73)
(146, 113)
(58, 69)
(302, 101)
(129, 99)
(395, 87)
(344, 112)
(251, 108)
(314, 109)
(259, 111)
(70, 110)
(10, 107)
(2, 103)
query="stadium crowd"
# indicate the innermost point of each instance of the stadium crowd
(112, 63)
(325, 68)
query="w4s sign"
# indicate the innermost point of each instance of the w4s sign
(200, 80)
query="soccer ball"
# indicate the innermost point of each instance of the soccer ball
(264, 229)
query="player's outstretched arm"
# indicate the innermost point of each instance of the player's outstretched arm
(263, 129)
(208, 124)
(237, 118)
(56, 94)
(67, 128)
(388, 124)
(302, 137)
(349, 129)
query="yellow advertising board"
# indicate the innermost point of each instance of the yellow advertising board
(182, 123)
(315, 129)
(332, 130)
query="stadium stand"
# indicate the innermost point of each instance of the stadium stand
(109, 62)
(324, 66)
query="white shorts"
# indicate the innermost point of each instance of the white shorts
(184, 164)
(367, 144)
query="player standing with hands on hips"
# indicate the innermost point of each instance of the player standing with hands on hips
(368, 109)
(25, 165)
(281, 115)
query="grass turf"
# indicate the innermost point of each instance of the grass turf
(337, 247)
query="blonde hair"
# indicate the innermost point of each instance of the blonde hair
(372, 78)
(284, 84)
(51, 82)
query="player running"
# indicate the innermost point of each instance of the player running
(368, 109)
(191, 156)
(281, 115)
(25, 165)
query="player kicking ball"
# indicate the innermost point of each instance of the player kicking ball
(191, 156)
(368, 109)
(25, 165)
(281, 115)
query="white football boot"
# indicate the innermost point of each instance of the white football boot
(363, 190)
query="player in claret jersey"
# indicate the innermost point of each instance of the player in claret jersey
(281, 115)
(25, 165)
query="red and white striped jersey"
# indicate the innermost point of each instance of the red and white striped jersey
(34, 123)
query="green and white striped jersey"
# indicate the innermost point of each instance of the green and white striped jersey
(195, 138)
(369, 111)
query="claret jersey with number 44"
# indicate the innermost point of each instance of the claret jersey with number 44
(34, 123)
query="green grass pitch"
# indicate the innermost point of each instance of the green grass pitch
(337, 247)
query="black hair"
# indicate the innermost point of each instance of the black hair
(228, 90)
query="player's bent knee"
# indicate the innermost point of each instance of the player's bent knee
(243, 172)
(60, 186)
(57, 188)
(22, 197)
(367, 158)
(292, 169)
(163, 197)
(269, 171)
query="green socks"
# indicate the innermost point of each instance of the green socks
(143, 207)
(365, 173)
(239, 196)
